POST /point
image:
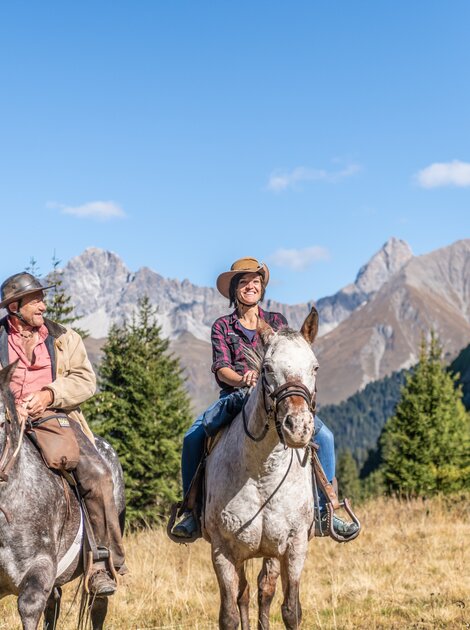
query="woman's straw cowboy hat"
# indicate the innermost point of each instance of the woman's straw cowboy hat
(241, 266)
(19, 286)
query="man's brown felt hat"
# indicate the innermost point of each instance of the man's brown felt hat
(242, 265)
(19, 286)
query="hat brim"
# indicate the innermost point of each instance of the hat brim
(225, 278)
(20, 296)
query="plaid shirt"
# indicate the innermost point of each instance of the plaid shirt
(228, 339)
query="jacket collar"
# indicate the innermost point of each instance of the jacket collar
(54, 329)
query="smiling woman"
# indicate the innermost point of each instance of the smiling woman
(244, 286)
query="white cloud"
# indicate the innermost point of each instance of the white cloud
(101, 210)
(455, 173)
(298, 259)
(279, 181)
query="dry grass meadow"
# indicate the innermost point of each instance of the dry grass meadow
(410, 568)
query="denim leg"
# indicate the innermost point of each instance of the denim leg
(219, 414)
(193, 450)
(326, 453)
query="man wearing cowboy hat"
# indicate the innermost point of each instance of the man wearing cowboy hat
(244, 286)
(54, 373)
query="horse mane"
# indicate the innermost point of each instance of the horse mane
(7, 397)
(255, 356)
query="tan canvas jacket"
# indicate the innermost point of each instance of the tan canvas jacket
(74, 380)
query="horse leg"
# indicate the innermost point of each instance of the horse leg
(292, 564)
(34, 591)
(243, 600)
(267, 579)
(52, 611)
(227, 577)
(98, 610)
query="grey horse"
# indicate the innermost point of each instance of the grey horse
(40, 521)
(259, 498)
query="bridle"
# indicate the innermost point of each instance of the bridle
(271, 402)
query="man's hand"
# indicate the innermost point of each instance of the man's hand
(249, 378)
(37, 402)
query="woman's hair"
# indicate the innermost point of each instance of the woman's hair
(232, 292)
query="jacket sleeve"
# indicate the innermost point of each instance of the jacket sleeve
(76, 380)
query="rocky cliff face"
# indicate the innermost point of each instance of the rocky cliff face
(368, 329)
(383, 335)
(104, 292)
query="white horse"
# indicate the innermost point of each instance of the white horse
(259, 499)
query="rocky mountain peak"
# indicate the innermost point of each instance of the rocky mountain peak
(393, 255)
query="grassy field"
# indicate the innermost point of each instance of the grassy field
(409, 568)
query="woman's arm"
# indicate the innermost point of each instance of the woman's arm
(229, 376)
(222, 360)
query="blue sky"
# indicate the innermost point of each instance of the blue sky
(183, 135)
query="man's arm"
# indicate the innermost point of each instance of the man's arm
(78, 382)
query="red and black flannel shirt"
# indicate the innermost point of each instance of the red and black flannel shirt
(228, 340)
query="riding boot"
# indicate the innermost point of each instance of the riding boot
(96, 486)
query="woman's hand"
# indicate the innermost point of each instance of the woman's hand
(232, 378)
(249, 379)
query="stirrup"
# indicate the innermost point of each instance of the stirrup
(331, 513)
(177, 510)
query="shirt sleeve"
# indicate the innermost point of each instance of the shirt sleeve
(220, 351)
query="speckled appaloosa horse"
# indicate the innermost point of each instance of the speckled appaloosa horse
(259, 499)
(39, 523)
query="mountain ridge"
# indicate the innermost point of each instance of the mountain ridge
(368, 329)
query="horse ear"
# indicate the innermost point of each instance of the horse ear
(264, 330)
(309, 328)
(6, 374)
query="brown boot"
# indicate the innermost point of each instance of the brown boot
(101, 584)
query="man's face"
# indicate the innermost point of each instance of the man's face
(32, 308)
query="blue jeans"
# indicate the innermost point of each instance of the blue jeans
(326, 453)
(219, 414)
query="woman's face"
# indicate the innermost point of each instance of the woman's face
(249, 288)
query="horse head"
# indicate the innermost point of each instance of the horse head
(288, 373)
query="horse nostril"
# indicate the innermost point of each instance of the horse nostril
(289, 423)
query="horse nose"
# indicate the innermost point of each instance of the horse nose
(289, 423)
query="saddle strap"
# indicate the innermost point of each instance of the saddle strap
(323, 482)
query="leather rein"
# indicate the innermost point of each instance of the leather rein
(288, 389)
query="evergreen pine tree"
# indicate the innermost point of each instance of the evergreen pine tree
(143, 410)
(32, 267)
(59, 304)
(348, 476)
(426, 443)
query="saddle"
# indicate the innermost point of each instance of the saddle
(54, 437)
